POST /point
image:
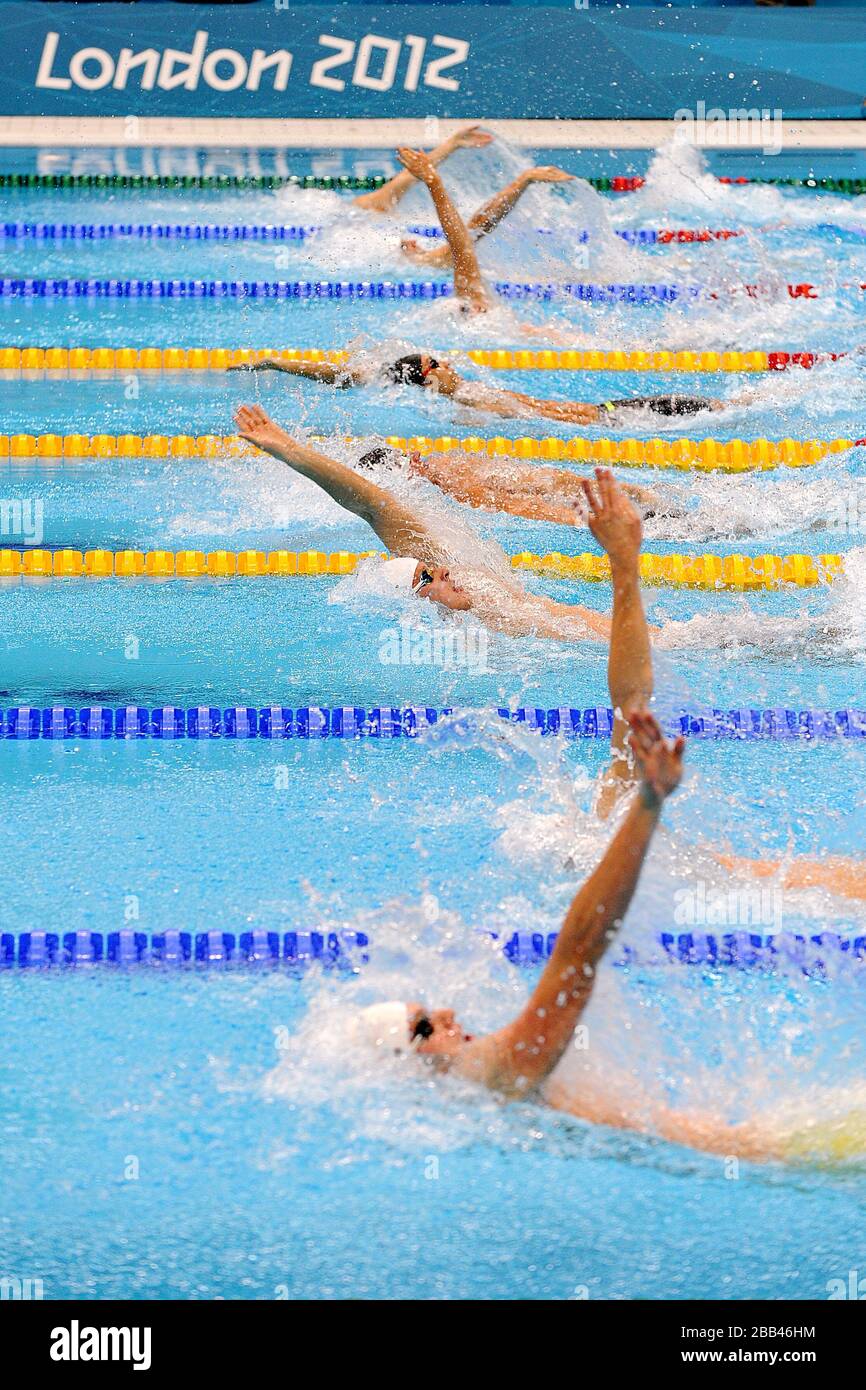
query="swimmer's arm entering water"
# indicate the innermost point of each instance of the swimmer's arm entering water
(469, 283)
(330, 373)
(387, 197)
(520, 1056)
(397, 528)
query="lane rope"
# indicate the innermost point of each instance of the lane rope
(616, 183)
(682, 455)
(210, 231)
(813, 956)
(173, 359)
(171, 722)
(739, 573)
(628, 293)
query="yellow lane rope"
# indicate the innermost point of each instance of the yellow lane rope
(173, 359)
(736, 572)
(684, 455)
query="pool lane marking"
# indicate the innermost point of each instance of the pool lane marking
(735, 572)
(170, 722)
(682, 455)
(815, 956)
(77, 360)
(629, 292)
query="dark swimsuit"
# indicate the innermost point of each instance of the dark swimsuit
(660, 405)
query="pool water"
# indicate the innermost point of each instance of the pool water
(205, 1132)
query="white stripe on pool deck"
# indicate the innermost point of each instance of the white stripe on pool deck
(366, 134)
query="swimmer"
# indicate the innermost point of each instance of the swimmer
(837, 873)
(505, 485)
(420, 564)
(433, 374)
(386, 198)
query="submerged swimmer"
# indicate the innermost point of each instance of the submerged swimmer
(420, 565)
(505, 485)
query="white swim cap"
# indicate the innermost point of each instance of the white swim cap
(400, 572)
(386, 1025)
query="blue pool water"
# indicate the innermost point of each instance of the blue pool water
(195, 1134)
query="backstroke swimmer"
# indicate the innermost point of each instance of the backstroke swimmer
(488, 217)
(420, 565)
(533, 491)
(424, 370)
(531, 1057)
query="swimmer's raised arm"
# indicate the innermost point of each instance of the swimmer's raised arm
(489, 216)
(388, 196)
(469, 283)
(331, 373)
(616, 526)
(520, 1056)
(396, 526)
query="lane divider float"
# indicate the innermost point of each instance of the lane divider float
(611, 183)
(65, 287)
(269, 231)
(173, 359)
(739, 573)
(170, 722)
(681, 455)
(815, 956)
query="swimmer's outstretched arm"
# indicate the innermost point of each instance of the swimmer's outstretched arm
(469, 283)
(330, 373)
(494, 211)
(397, 527)
(388, 196)
(520, 1056)
(616, 526)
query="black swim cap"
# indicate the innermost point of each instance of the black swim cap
(407, 371)
(380, 458)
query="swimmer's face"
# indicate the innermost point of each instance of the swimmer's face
(435, 583)
(443, 378)
(436, 1032)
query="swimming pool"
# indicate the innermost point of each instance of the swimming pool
(197, 1132)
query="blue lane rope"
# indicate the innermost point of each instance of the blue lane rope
(67, 288)
(812, 956)
(211, 231)
(314, 721)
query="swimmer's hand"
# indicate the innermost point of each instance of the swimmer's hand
(612, 519)
(258, 428)
(547, 173)
(471, 137)
(417, 163)
(660, 763)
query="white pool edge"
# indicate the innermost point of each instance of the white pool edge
(363, 134)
